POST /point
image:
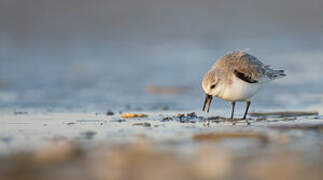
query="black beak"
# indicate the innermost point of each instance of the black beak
(208, 100)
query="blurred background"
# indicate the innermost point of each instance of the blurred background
(90, 55)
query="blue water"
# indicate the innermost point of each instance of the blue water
(90, 56)
(100, 82)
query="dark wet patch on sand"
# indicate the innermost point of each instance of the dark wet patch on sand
(316, 127)
(283, 114)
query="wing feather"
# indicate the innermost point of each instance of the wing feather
(244, 77)
(245, 66)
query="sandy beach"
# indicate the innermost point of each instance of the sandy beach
(181, 146)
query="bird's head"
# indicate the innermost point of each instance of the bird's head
(210, 86)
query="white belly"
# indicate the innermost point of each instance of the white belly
(239, 90)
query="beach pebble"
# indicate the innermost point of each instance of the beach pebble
(187, 117)
(70, 123)
(145, 124)
(166, 119)
(118, 120)
(109, 113)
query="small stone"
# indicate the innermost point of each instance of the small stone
(166, 119)
(109, 113)
(192, 115)
(70, 123)
(145, 124)
(118, 120)
(187, 117)
(178, 115)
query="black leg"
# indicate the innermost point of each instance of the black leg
(233, 105)
(246, 112)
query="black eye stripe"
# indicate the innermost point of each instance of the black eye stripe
(213, 86)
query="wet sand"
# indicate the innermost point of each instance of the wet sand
(160, 145)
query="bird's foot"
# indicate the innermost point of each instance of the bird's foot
(248, 123)
(234, 121)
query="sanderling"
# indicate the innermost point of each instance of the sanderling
(237, 76)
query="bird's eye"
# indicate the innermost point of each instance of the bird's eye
(213, 86)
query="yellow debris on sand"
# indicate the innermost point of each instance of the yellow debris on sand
(133, 115)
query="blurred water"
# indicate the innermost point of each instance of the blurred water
(92, 55)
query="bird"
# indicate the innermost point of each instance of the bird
(237, 77)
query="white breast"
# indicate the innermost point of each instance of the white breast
(239, 90)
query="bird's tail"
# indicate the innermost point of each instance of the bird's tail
(274, 74)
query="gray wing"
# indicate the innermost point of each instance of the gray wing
(250, 67)
(244, 77)
(243, 65)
